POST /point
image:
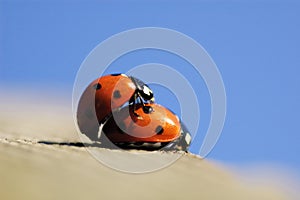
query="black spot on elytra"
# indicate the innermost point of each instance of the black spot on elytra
(97, 86)
(117, 94)
(159, 130)
(117, 74)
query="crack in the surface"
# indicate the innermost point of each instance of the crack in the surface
(74, 144)
(18, 141)
(48, 142)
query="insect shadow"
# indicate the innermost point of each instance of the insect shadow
(75, 144)
(98, 145)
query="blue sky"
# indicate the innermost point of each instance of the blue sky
(255, 45)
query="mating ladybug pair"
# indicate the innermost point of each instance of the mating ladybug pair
(121, 109)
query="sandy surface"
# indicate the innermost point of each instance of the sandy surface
(33, 170)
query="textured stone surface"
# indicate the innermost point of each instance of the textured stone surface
(62, 169)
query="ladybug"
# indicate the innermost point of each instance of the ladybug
(106, 94)
(183, 142)
(147, 126)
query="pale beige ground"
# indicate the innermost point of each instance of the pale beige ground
(30, 170)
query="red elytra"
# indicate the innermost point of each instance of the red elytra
(100, 98)
(135, 125)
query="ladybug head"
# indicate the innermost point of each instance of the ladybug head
(147, 93)
(143, 89)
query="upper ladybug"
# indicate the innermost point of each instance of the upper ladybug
(105, 95)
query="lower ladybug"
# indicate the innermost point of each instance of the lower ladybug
(146, 126)
(183, 142)
(106, 94)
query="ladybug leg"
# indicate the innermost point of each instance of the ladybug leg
(141, 100)
(137, 97)
(132, 102)
(174, 146)
(180, 144)
(102, 123)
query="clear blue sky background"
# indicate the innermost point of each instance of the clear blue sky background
(256, 46)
